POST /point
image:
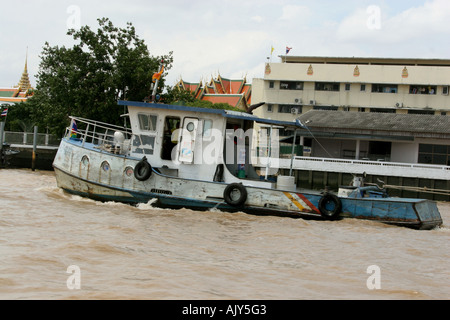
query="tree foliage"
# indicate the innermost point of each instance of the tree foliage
(184, 97)
(88, 79)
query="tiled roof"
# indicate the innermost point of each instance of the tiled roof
(237, 93)
(372, 122)
(8, 92)
(231, 99)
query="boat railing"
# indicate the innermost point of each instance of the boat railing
(103, 136)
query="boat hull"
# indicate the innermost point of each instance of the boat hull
(85, 171)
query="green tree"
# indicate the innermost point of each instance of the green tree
(88, 79)
(174, 95)
(184, 97)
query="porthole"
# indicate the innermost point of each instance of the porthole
(129, 171)
(85, 160)
(105, 166)
(190, 126)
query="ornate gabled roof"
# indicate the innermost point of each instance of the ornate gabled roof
(237, 93)
(235, 100)
(210, 89)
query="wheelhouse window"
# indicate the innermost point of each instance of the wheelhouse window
(207, 128)
(327, 86)
(422, 89)
(384, 88)
(147, 122)
(291, 85)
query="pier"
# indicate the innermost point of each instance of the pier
(31, 150)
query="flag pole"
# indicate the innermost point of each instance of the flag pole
(156, 78)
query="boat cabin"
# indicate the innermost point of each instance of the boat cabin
(198, 143)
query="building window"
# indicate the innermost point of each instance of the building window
(270, 108)
(434, 154)
(347, 87)
(327, 86)
(431, 112)
(287, 108)
(291, 85)
(422, 89)
(384, 88)
(328, 108)
(445, 90)
(271, 84)
(363, 87)
(382, 110)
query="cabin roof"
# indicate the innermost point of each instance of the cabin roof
(225, 113)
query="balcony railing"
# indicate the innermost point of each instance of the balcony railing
(410, 170)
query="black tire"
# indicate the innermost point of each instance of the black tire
(327, 201)
(235, 194)
(143, 170)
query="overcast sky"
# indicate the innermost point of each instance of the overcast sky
(231, 37)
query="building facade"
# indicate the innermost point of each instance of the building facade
(405, 86)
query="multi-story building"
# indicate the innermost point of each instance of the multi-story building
(388, 118)
(407, 86)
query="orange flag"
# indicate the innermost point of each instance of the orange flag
(158, 75)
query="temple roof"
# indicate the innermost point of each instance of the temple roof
(237, 92)
(19, 93)
(24, 83)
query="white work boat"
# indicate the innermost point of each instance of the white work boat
(178, 156)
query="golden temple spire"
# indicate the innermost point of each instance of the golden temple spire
(24, 83)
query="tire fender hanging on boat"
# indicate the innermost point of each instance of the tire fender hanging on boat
(143, 170)
(235, 194)
(330, 206)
